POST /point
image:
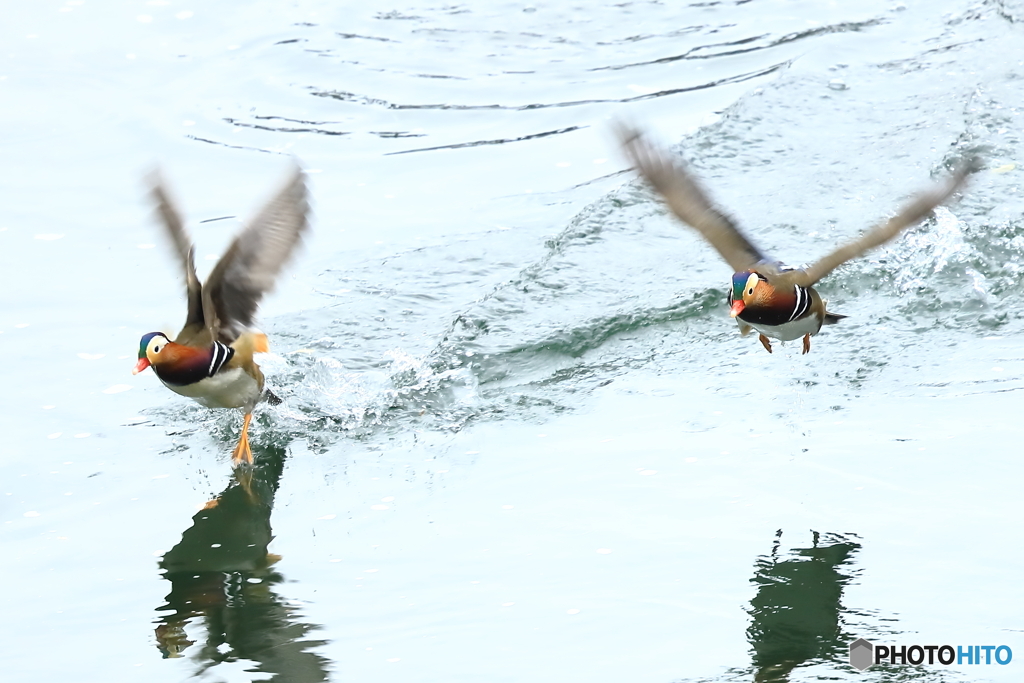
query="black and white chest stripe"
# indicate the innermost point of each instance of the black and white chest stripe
(803, 302)
(222, 353)
(197, 368)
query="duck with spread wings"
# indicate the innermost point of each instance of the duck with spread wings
(211, 359)
(777, 301)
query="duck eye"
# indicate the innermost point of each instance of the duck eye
(752, 283)
(156, 349)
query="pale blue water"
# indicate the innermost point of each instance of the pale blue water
(521, 439)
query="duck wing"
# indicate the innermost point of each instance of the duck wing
(249, 267)
(689, 202)
(910, 214)
(181, 240)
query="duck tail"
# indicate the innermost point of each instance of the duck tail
(832, 318)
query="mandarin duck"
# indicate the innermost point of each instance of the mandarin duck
(211, 359)
(778, 301)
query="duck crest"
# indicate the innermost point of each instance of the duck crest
(183, 365)
(739, 281)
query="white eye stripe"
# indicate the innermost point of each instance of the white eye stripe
(752, 283)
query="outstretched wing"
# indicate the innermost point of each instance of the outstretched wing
(251, 264)
(689, 202)
(182, 243)
(913, 212)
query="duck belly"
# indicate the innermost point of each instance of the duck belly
(234, 388)
(787, 331)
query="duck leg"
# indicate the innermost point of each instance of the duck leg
(243, 454)
(765, 343)
(807, 342)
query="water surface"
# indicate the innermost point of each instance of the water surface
(521, 439)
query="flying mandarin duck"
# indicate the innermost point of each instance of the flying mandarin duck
(211, 359)
(778, 301)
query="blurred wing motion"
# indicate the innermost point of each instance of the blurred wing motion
(913, 212)
(689, 202)
(182, 242)
(250, 265)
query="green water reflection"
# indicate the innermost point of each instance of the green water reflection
(797, 612)
(223, 577)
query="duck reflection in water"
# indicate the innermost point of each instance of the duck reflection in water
(797, 614)
(221, 572)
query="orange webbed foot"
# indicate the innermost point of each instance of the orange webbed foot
(765, 343)
(807, 342)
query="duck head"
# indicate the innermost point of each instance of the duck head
(149, 350)
(749, 289)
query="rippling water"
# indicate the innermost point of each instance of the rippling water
(521, 439)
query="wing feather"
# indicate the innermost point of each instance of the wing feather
(182, 243)
(910, 214)
(689, 202)
(252, 262)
